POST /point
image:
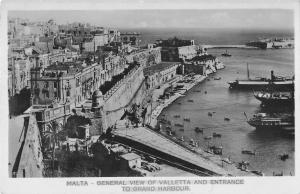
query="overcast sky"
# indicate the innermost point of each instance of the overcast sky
(253, 19)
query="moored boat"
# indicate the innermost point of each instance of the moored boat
(198, 130)
(207, 137)
(218, 150)
(226, 54)
(249, 152)
(283, 157)
(264, 121)
(178, 125)
(275, 82)
(275, 98)
(187, 119)
(217, 134)
(259, 173)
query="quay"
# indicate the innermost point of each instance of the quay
(159, 108)
(229, 46)
(156, 143)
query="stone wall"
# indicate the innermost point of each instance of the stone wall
(131, 90)
(31, 157)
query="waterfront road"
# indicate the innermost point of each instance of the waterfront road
(151, 139)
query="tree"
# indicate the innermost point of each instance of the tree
(54, 134)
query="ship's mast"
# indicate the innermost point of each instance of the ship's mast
(248, 76)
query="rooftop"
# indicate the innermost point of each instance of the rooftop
(174, 42)
(159, 67)
(202, 58)
(130, 156)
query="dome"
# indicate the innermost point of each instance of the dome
(97, 100)
(97, 93)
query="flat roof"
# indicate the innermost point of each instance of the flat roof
(159, 67)
(130, 156)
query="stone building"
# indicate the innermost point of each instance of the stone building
(177, 50)
(97, 41)
(66, 82)
(160, 73)
(20, 75)
(133, 38)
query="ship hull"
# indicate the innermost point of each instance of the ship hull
(279, 102)
(253, 85)
(272, 127)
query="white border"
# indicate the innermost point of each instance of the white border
(288, 185)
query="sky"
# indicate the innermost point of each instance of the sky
(238, 18)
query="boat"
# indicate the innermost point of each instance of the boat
(275, 98)
(277, 174)
(226, 119)
(198, 130)
(243, 165)
(182, 139)
(249, 152)
(283, 157)
(217, 78)
(275, 82)
(190, 100)
(259, 173)
(226, 54)
(192, 143)
(216, 134)
(178, 125)
(227, 160)
(264, 121)
(207, 137)
(176, 116)
(169, 132)
(218, 150)
(187, 119)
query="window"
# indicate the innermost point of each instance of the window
(55, 85)
(46, 85)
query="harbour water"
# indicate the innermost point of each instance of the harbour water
(237, 134)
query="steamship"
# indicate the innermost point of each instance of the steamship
(264, 121)
(275, 98)
(276, 82)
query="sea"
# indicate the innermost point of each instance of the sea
(218, 99)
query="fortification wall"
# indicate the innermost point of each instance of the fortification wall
(129, 91)
(31, 159)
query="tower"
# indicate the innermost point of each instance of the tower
(98, 108)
